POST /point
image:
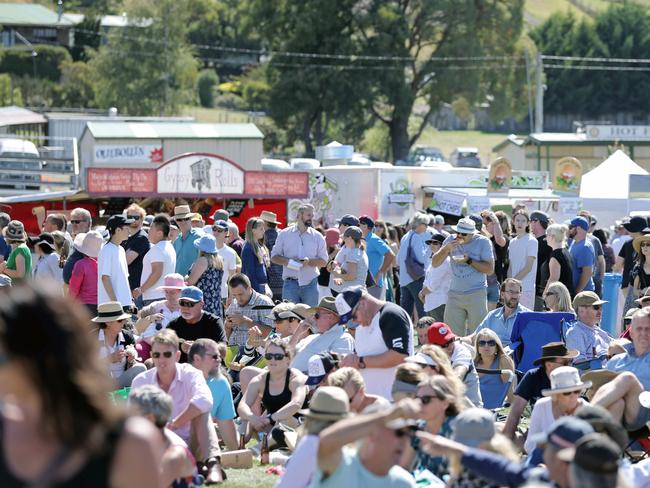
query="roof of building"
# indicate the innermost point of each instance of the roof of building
(511, 139)
(30, 14)
(111, 20)
(19, 116)
(171, 130)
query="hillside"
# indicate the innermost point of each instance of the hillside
(536, 11)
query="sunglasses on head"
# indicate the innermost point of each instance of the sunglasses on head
(278, 356)
(490, 342)
(166, 354)
(186, 303)
(134, 217)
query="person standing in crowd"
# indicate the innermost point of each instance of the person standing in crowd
(83, 281)
(158, 262)
(61, 425)
(380, 257)
(80, 221)
(539, 222)
(186, 252)
(18, 265)
(204, 356)
(247, 309)
(112, 269)
(191, 401)
(350, 266)
(412, 260)
(620, 237)
(227, 254)
(234, 239)
(300, 250)
(274, 271)
(57, 221)
(472, 260)
(522, 254)
(439, 224)
(582, 255)
(640, 274)
(383, 432)
(585, 335)
(382, 340)
(608, 251)
(207, 274)
(636, 227)
(559, 265)
(5, 249)
(498, 234)
(332, 238)
(136, 246)
(255, 256)
(435, 288)
(599, 266)
(47, 265)
(502, 319)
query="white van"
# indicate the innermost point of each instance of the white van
(20, 165)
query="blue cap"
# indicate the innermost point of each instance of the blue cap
(580, 222)
(346, 301)
(220, 224)
(192, 293)
(564, 432)
(207, 244)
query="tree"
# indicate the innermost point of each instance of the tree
(147, 68)
(205, 84)
(9, 94)
(75, 88)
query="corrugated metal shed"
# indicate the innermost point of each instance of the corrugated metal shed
(30, 14)
(19, 116)
(172, 130)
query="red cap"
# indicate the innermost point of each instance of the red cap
(440, 334)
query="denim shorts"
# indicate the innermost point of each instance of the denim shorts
(493, 294)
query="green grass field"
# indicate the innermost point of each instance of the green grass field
(250, 478)
(447, 141)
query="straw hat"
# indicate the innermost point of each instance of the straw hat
(636, 243)
(15, 231)
(565, 379)
(328, 403)
(270, 217)
(110, 311)
(182, 211)
(91, 244)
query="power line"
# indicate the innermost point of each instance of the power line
(597, 60)
(597, 67)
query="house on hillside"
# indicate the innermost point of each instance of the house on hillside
(24, 23)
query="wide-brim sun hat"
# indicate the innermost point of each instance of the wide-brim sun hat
(207, 244)
(636, 243)
(109, 312)
(270, 217)
(566, 379)
(555, 350)
(173, 281)
(328, 403)
(91, 244)
(15, 231)
(182, 212)
(465, 226)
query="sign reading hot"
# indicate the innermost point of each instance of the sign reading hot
(200, 174)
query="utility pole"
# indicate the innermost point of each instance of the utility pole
(166, 56)
(539, 95)
(530, 92)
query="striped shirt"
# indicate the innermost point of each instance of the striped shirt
(239, 335)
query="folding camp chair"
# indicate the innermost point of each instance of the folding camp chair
(532, 330)
(493, 390)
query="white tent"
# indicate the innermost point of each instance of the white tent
(604, 189)
(610, 179)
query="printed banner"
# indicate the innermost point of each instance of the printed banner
(448, 202)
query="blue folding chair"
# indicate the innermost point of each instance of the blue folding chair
(493, 390)
(532, 330)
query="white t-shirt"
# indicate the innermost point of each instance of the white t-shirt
(438, 281)
(520, 248)
(301, 466)
(162, 252)
(229, 257)
(541, 419)
(112, 262)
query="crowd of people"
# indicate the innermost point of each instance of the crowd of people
(360, 355)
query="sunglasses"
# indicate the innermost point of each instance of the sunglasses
(645, 244)
(77, 222)
(186, 303)
(217, 229)
(445, 346)
(550, 293)
(570, 393)
(134, 217)
(166, 354)
(182, 220)
(462, 234)
(278, 356)
(596, 307)
(405, 432)
(490, 343)
(216, 357)
(426, 399)
(318, 315)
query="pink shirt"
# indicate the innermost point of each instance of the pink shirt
(189, 386)
(83, 281)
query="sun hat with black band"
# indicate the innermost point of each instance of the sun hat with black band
(328, 403)
(302, 310)
(565, 379)
(645, 299)
(285, 315)
(555, 350)
(465, 226)
(270, 217)
(182, 212)
(110, 312)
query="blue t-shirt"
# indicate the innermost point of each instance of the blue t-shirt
(186, 252)
(582, 254)
(629, 361)
(222, 404)
(376, 248)
(465, 279)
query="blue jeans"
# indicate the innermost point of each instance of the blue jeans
(409, 297)
(295, 293)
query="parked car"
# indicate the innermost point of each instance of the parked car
(465, 157)
(421, 154)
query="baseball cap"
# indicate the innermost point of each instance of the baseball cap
(595, 453)
(346, 301)
(539, 215)
(367, 220)
(221, 225)
(440, 334)
(564, 432)
(191, 293)
(354, 232)
(473, 427)
(348, 219)
(478, 220)
(221, 214)
(116, 221)
(586, 299)
(319, 366)
(436, 238)
(581, 222)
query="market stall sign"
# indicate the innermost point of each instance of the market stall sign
(476, 204)
(618, 132)
(447, 202)
(128, 153)
(116, 182)
(261, 184)
(401, 198)
(200, 174)
(235, 207)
